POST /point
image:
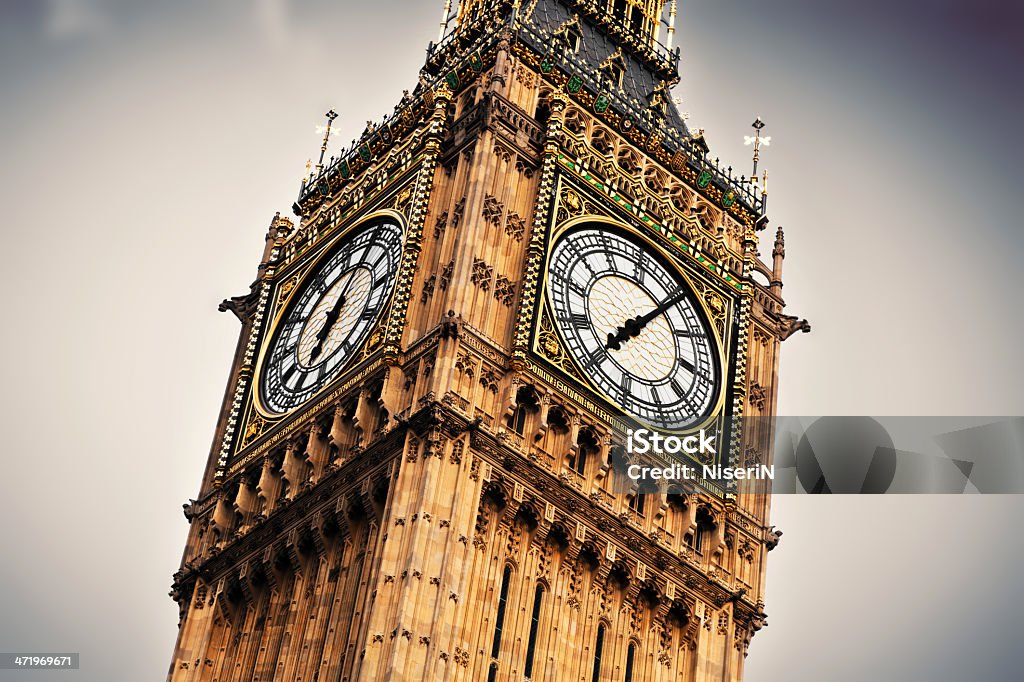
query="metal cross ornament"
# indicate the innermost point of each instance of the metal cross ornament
(322, 130)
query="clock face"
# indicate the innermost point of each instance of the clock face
(634, 327)
(331, 315)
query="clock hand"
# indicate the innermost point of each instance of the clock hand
(632, 327)
(330, 319)
(321, 336)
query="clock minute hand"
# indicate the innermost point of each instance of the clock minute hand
(321, 336)
(632, 327)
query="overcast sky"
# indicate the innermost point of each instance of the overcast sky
(146, 146)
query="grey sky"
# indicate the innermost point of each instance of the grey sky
(146, 146)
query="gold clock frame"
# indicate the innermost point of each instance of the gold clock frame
(305, 271)
(720, 344)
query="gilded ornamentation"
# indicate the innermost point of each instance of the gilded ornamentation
(402, 200)
(286, 288)
(572, 201)
(376, 338)
(572, 205)
(549, 345)
(253, 429)
(716, 306)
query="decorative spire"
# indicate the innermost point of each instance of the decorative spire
(780, 243)
(444, 20)
(671, 25)
(331, 115)
(778, 254)
(757, 141)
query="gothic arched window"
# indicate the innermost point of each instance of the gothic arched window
(531, 644)
(499, 623)
(527, 403)
(598, 651)
(588, 448)
(630, 657)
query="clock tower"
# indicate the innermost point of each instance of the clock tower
(415, 474)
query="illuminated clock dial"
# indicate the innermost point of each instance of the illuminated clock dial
(331, 315)
(633, 327)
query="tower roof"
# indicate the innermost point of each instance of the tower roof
(647, 72)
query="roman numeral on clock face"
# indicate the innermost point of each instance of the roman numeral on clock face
(596, 359)
(580, 321)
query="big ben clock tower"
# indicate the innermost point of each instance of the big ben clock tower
(414, 472)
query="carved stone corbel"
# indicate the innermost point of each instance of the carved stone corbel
(292, 551)
(245, 503)
(295, 469)
(316, 451)
(223, 519)
(337, 436)
(268, 564)
(316, 534)
(268, 489)
(246, 583)
(222, 601)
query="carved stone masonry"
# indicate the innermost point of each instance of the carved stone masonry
(428, 288)
(505, 290)
(441, 224)
(446, 275)
(515, 226)
(457, 212)
(481, 274)
(493, 210)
